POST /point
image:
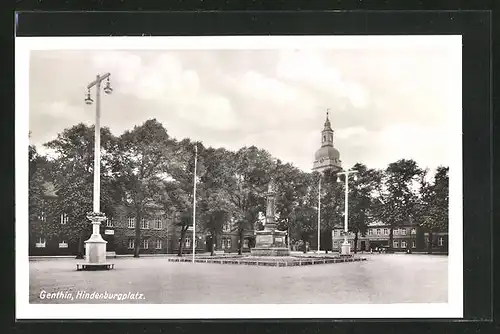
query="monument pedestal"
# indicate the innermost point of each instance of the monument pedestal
(270, 243)
(95, 248)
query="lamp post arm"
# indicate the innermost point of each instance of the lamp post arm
(98, 80)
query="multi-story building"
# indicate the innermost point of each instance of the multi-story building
(159, 233)
(41, 243)
(405, 237)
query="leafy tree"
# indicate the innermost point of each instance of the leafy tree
(435, 199)
(398, 194)
(360, 200)
(39, 175)
(216, 206)
(72, 177)
(290, 188)
(305, 224)
(305, 215)
(36, 184)
(250, 173)
(140, 165)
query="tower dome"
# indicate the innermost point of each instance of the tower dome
(327, 152)
(327, 157)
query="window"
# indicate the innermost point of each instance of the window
(413, 244)
(64, 218)
(158, 224)
(109, 222)
(63, 244)
(145, 243)
(396, 244)
(403, 231)
(440, 241)
(131, 243)
(378, 231)
(226, 243)
(144, 223)
(42, 216)
(403, 244)
(396, 231)
(370, 232)
(131, 222)
(40, 243)
(335, 244)
(158, 244)
(187, 242)
(226, 227)
(386, 231)
(413, 230)
(245, 243)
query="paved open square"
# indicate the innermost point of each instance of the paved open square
(382, 279)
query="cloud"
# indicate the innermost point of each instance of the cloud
(309, 68)
(386, 104)
(211, 111)
(350, 133)
(164, 80)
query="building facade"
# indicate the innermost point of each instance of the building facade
(405, 238)
(159, 233)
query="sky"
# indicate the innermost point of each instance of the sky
(386, 102)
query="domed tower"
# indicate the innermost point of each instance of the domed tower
(327, 156)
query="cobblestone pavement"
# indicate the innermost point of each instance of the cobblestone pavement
(383, 278)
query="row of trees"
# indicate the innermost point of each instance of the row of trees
(145, 166)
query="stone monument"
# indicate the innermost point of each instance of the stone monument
(270, 241)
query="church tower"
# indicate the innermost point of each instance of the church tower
(327, 157)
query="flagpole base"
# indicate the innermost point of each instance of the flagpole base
(346, 248)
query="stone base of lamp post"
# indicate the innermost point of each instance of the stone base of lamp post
(346, 248)
(95, 247)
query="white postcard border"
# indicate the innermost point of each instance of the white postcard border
(25, 310)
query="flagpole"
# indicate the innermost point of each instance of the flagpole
(319, 210)
(194, 198)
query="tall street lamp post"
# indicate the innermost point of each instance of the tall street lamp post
(95, 246)
(194, 199)
(346, 247)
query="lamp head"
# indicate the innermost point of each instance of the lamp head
(107, 89)
(88, 99)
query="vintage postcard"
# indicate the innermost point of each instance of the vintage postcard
(239, 177)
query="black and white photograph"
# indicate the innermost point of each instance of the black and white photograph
(236, 177)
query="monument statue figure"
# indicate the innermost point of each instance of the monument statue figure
(270, 241)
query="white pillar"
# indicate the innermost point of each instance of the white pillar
(97, 148)
(95, 246)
